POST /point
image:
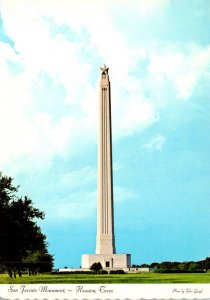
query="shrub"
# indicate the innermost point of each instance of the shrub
(178, 271)
(72, 272)
(102, 272)
(96, 267)
(117, 272)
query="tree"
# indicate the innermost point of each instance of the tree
(96, 267)
(207, 263)
(154, 265)
(38, 262)
(193, 267)
(182, 266)
(19, 234)
(168, 265)
(144, 266)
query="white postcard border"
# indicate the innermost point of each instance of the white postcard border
(104, 291)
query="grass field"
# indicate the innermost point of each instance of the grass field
(109, 278)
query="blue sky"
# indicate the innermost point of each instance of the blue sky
(158, 52)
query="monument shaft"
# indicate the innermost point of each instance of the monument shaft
(105, 243)
(105, 240)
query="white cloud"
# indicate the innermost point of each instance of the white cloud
(144, 7)
(134, 115)
(78, 205)
(24, 130)
(37, 136)
(156, 143)
(72, 197)
(79, 178)
(181, 67)
(123, 194)
(117, 166)
(69, 61)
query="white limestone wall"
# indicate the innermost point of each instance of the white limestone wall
(114, 261)
(105, 241)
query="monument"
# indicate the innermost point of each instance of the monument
(105, 240)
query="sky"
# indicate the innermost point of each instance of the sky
(158, 54)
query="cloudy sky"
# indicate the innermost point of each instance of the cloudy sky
(158, 52)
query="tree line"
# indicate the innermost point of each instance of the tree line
(22, 244)
(178, 267)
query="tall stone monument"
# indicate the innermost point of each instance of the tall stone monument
(105, 241)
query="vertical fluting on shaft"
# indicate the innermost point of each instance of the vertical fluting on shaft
(105, 243)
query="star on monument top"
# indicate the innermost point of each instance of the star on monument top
(104, 69)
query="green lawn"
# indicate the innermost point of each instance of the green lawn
(109, 278)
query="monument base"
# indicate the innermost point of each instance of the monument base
(108, 261)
